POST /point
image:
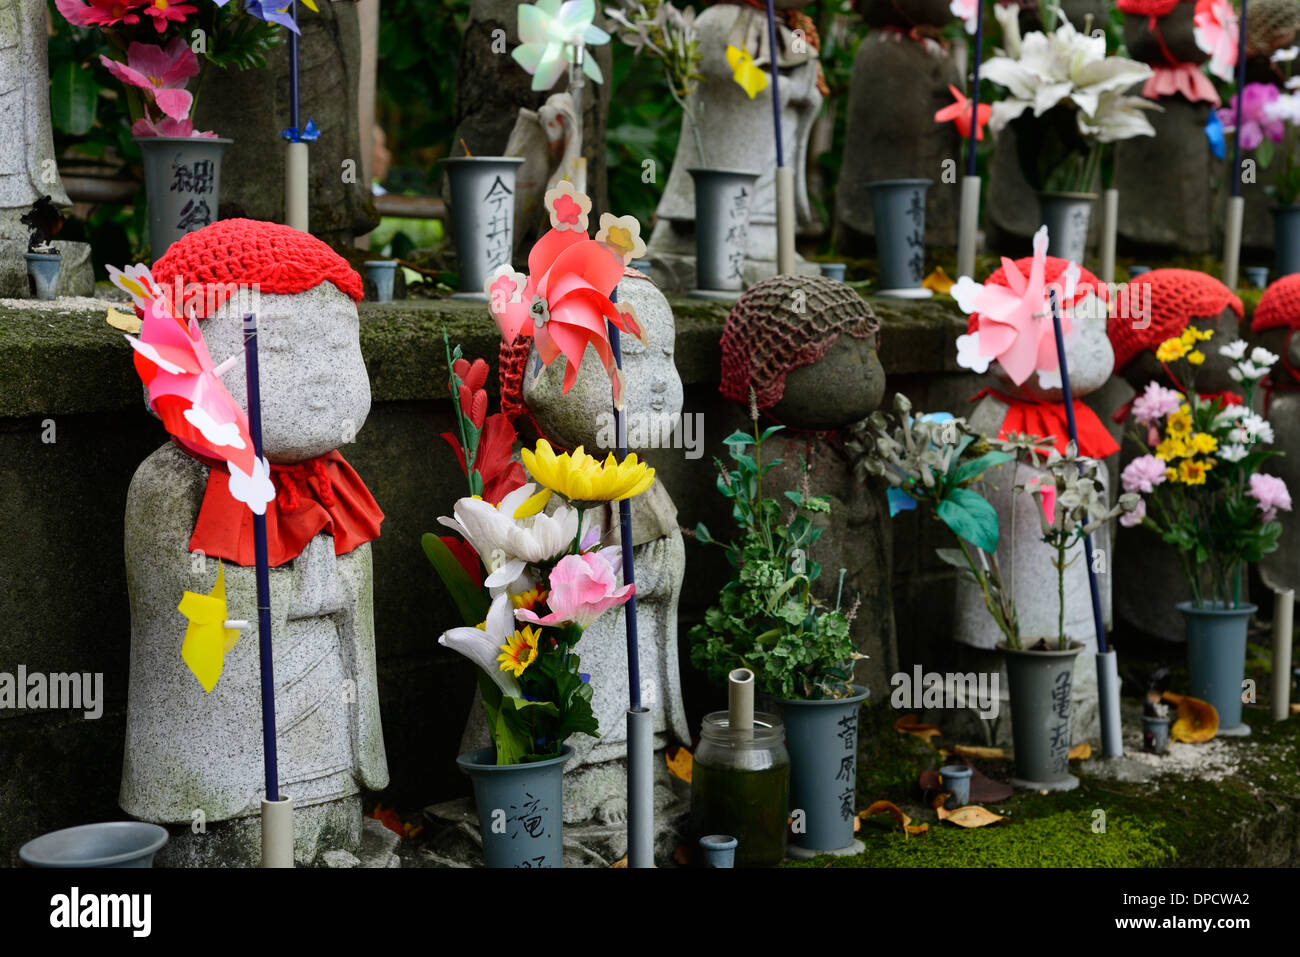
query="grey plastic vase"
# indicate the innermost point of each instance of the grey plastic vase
(107, 844)
(1039, 685)
(723, 198)
(1216, 657)
(382, 273)
(519, 808)
(182, 181)
(43, 270)
(822, 738)
(898, 209)
(1067, 217)
(1286, 239)
(482, 216)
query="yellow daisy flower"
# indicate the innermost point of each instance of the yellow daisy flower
(1179, 425)
(1172, 448)
(1171, 475)
(1192, 472)
(1188, 338)
(1202, 443)
(584, 480)
(520, 651)
(1171, 349)
(1196, 357)
(530, 599)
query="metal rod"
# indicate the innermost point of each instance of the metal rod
(263, 570)
(975, 87)
(1241, 86)
(1074, 437)
(293, 71)
(776, 95)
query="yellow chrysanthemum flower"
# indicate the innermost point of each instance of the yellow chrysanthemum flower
(1196, 357)
(1188, 338)
(1202, 335)
(1171, 349)
(1172, 448)
(584, 480)
(1192, 472)
(1171, 475)
(519, 651)
(1179, 425)
(1202, 443)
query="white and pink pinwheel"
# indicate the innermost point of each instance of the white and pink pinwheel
(564, 301)
(1014, 322)
(185, 388)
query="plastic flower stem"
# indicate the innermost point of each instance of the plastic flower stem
(1068, 398)
(1241, 85)
(975, 86)
(775, 70)
(263, 570)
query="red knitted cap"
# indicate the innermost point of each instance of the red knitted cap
(279, 259)
(1177, 297)
(1053, 270)
(1279, 306)
(1147, 8)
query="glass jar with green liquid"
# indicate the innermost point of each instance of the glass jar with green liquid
(740, 785)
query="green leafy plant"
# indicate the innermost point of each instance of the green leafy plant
(766, 618)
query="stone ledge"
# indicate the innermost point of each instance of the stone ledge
(63, 358)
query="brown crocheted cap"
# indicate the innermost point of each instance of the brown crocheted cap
(1177, 297)
(1279, 307)
(1271, 25)
(768, 335)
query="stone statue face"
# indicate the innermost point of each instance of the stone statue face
(844, 386)
(1212, 376)
(1087, 350)
(314, 386)
(653, 393)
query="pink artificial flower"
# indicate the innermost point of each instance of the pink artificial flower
(1143, 474)
(164, 11)
(1129, 519)
(1216, 32)
(100, 13)
(583, 587)
(1256, 122)
(1155, 403)
(1270, 494)
(166, 126)
(1046, 489)
(161, 72)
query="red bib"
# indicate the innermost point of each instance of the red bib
(1047, 421)
(321, 494)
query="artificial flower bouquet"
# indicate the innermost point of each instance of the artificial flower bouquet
(766, 618)
(1270, 119)
(937, 459)
(1065, 99)
(1199, 480)
(156, 46)
(528, 581)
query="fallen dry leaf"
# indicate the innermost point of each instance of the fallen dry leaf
(1080, 752)
(976, 751)
(972, 815)
(1197, 720)
(127, 322)
(905, 822)
(907, 724)
(621, 862)
(937, 281)
(680, 764)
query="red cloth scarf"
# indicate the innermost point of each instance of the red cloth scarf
(1047, 421)
(321, 494)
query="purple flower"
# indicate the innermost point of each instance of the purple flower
(1156, 403)
(1256, 123)
(1270, 494)
(1143, 475)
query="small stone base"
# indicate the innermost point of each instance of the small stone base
(1067, 783)
(471, 296)
(797, 853)
(1240, 731)
(921, 293)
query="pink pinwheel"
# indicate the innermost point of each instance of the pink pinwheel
(564, 301)
(959, 112)
(100, 13)
(583, 587)
(186, 391)
(161, 72)
(1014, 325)
(164, 12)
(1216, 32)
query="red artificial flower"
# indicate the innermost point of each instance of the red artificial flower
(959, 112)
(164, 12)
(100, 13)
(464, 553)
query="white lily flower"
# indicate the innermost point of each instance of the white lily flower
(1008, 17)
(483, 645)
(507, 543)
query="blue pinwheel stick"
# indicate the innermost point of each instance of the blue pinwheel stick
(775, 72)
(1241, 85)
(1068, 398)
(975, 87)
(263, 570)
(625, 532)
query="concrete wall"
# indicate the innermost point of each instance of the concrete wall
(62, 582)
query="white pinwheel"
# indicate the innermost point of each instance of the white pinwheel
(515, 533)
(549, 30)
(482, 645)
